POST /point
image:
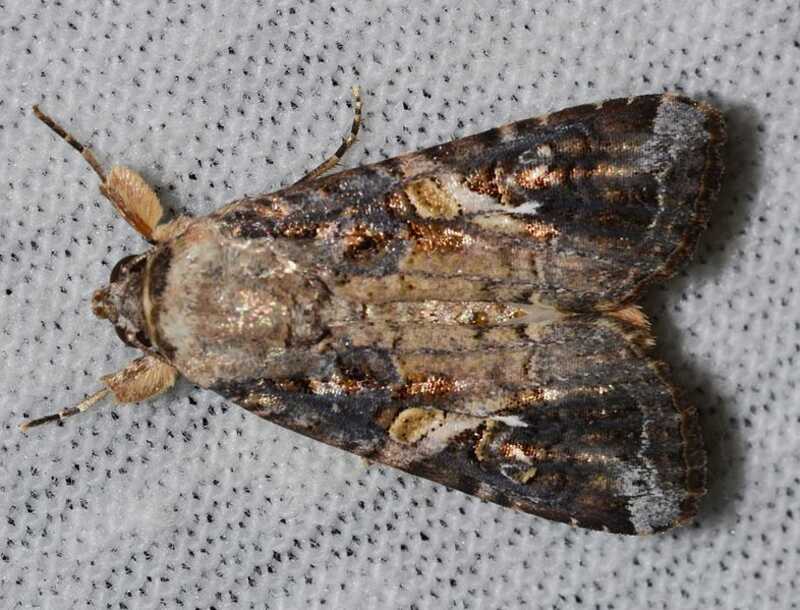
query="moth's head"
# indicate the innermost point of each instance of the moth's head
(120, 302)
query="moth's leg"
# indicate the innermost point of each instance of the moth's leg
(142, 379)
(347, 142)
(133, 198)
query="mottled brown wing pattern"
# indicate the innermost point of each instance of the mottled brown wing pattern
(569, 420)
(583, 208)
(464, 313)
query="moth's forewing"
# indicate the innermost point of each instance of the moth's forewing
(568, 421)
(580, 209)
(417, 311)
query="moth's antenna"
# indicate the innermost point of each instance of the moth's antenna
(82, 406)
(85, 152)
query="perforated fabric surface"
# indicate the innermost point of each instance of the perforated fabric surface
(188, 501)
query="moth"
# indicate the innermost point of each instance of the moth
(466, 313)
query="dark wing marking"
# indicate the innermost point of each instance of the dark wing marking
(580, 209)
(568, 421)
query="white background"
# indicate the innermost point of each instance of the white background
(190, 500)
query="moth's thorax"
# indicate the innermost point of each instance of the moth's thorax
(217, 305)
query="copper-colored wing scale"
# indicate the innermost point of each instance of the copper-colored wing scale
(465, 313)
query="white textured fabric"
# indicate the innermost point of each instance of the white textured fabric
(189, 500)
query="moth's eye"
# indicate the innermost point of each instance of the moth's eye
(116, 272)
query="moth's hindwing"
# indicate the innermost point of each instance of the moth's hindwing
(463, 313)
